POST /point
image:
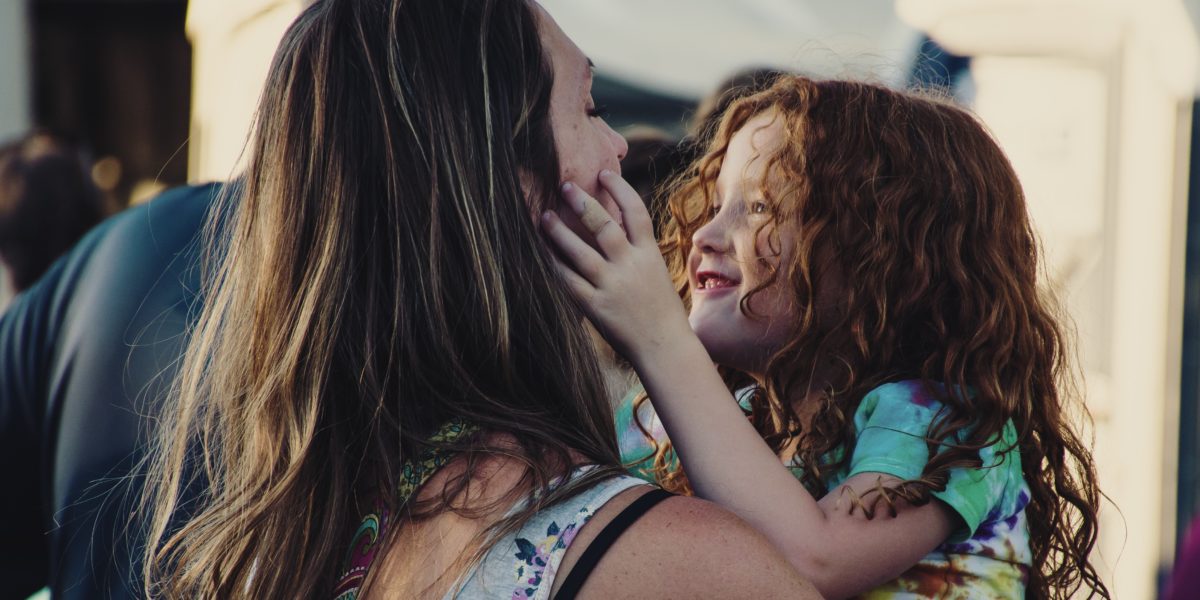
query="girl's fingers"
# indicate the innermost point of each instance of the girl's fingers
(582, 258)
(639, 226)
(607, 232)
(580, 287)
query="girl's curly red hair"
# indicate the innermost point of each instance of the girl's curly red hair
(916, 207)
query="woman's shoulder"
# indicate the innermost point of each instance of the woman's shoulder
(526, 562)
(684, 547)
(680, 546)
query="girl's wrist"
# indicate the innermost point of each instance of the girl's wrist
(674, 340)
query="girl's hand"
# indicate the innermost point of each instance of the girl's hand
(624, 286)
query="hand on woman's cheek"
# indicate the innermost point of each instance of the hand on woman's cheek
(571, 219)
(617, 272)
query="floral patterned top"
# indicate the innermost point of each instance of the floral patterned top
(415, 473)
(988, 557)
(521, 565)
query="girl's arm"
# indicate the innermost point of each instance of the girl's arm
(626, 291)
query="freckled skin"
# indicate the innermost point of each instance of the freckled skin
(586, 145)
(732, 244)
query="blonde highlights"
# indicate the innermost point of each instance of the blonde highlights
(373, 275)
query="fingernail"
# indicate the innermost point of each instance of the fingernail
(566, 187)
(606, 173)
(547, 216)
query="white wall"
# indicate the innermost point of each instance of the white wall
(232, 45)
(687, 47)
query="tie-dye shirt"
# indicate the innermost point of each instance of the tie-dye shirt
(988, 557)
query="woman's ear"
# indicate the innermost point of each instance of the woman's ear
(535, 199)
(528, 183)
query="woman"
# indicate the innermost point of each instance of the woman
(387, 349)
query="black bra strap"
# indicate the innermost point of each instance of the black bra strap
(613, 530)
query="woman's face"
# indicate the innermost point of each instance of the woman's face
(585, 144)
(725, 262)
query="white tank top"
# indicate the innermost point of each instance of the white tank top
(523, 564)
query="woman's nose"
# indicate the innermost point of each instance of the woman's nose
(619, 143)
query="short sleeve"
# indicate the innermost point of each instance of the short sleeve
(892, 423)
(637, 451)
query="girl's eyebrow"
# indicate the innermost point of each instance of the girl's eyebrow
(718, 196)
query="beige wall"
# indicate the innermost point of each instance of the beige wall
(232, 44)
(1088, 100)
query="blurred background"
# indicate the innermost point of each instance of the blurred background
(1094, 101)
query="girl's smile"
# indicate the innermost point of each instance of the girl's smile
(710, 282)
(733, 255)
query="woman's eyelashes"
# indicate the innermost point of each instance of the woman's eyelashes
(598, 112)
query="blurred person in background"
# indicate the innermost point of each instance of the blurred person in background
(85, 353)
(710, 109)
(654, 157)
(47, 202)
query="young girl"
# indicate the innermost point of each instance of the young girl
(860, 265)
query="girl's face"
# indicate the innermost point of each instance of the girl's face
(727, 256)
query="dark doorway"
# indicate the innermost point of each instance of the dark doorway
(115, 76)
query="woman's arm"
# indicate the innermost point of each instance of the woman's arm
(627, 293)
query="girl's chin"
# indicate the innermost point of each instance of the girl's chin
(713, 341)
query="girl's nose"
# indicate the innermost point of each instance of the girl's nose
(711, 237)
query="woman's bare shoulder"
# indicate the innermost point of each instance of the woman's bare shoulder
(685, 548)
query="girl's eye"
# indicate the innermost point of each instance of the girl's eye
(712, 212)
(598, 112)
(759, 208)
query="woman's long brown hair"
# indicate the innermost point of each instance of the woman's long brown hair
(916, 209)
(376, 273)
